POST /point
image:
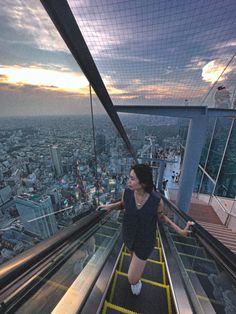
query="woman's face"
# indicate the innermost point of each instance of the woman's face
(133, 182)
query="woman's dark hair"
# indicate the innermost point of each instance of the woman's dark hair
(144, 175)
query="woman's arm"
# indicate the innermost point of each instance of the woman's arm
(165, 219)
(117, 205)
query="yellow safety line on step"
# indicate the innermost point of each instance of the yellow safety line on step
(117, 308)
(161, 255)
(210, 300)
(164, 273)
(113, 287)
(168, 300)
(153, 261)
(145, 280)
(104, 309)
(121, 260)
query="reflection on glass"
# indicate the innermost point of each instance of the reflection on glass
(198, 180)
(211, 286)
(218, 146)
(226, 184)
(113, 158)
(207, 185)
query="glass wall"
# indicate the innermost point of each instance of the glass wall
(112, 157)
(217, 174)
(49, 176)
(226, 184)
(217, 146)
(207, 145)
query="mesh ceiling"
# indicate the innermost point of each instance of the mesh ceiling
(157, 52)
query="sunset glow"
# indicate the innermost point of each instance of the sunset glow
(43, 78)
(212, 71)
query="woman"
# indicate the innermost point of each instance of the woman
(142, 208)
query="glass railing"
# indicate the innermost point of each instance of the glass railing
(74, 266)
(207, 267)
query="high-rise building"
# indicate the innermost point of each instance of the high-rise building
(100, 143)
(37, 214)
(55, 196)
(56, 160)
(5, 195)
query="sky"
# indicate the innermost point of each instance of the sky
(149, 52)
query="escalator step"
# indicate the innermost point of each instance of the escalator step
(122, 296)
(110, 308)
(156, 255)
(154, 271)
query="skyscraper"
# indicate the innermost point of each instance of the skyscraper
(36, 214)
(56, 160)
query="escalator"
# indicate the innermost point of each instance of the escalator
(87, 273)
(154, 287)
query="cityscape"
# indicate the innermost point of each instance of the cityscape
(50, 176)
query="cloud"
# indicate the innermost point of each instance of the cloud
(213, 70)
(44, 78)
(31, 22)
(174, 90)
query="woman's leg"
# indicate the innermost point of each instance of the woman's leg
(136, 269)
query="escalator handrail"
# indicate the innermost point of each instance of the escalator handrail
(22, 262)
(221, 253)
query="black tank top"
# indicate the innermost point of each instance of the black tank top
(139, 225)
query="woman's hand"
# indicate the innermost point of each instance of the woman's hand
(105, 207)
(185, 231)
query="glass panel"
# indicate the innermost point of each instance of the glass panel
(210, 287)
(46, 139)
(113, 158)
(217, 146)
(183, 131)
(205, 150)
(207, 186)
(198, 180)
(81, 265)
(226, 185)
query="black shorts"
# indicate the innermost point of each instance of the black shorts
(142, 252)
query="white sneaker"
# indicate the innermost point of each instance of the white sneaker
(136, 289)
